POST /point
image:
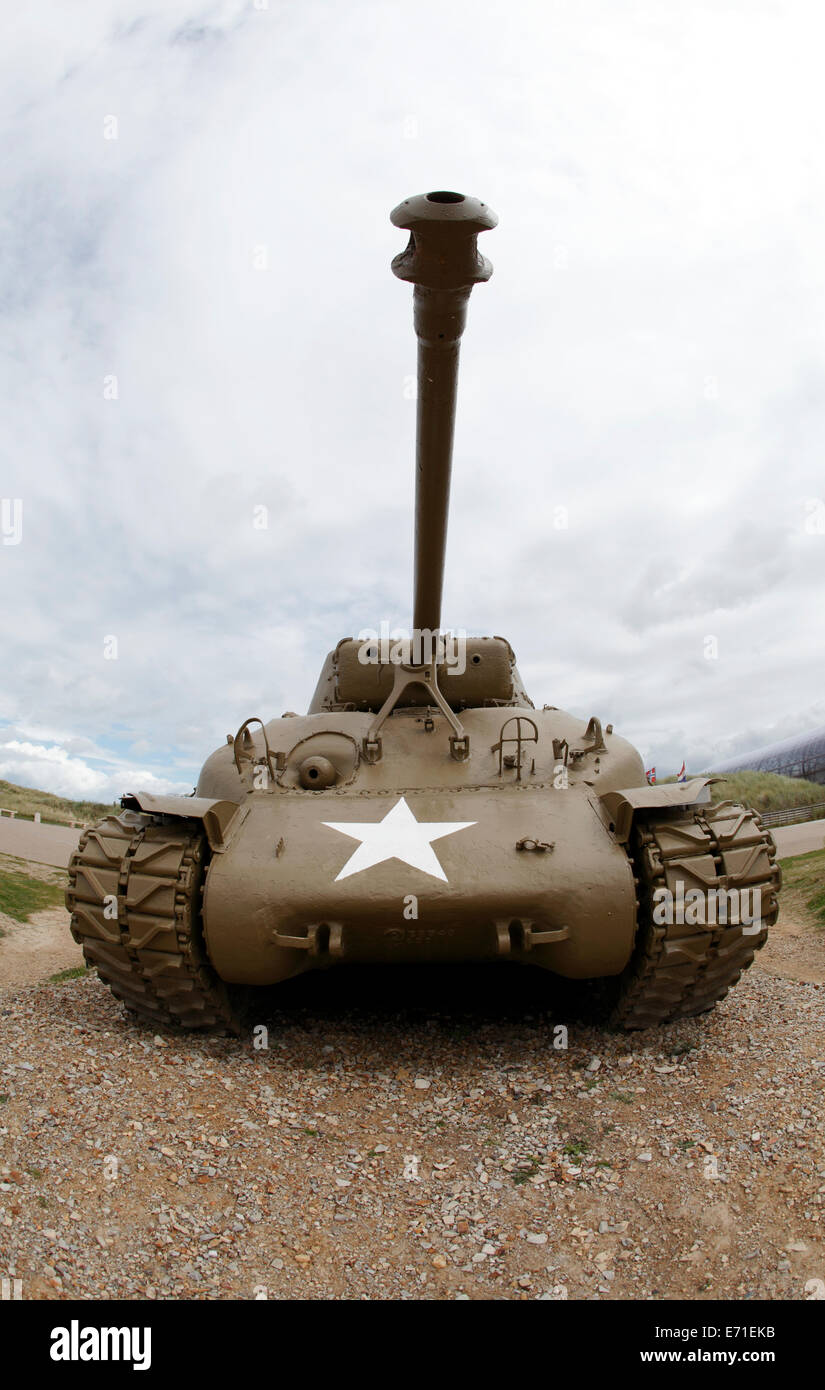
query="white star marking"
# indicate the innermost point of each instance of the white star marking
(398, 836)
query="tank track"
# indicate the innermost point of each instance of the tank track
(150, 952)
(678, 970)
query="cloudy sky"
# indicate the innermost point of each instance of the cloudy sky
(195, 204)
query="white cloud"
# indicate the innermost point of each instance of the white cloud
(648, 355)
(50, 767)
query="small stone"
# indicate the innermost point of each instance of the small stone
(533, 1238)
(645, 1157)
(439, 1262)
(594, 1064)
(421, 1083)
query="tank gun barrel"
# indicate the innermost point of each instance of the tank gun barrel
(443, 263)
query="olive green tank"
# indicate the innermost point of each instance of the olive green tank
(423, 809)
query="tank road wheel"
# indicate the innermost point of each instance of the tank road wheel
(135, 884)
(684, 967)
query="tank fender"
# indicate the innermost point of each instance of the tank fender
(220, 817)
(621, 805)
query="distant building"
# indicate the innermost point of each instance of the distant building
(800, 756)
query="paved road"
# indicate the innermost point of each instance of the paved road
(45, 844)
(799, 839)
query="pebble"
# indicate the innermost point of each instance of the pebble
(322, 1167)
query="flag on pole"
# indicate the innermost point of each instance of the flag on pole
(651, 776)
(682, 774)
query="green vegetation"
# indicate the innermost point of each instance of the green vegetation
(803, 880)
(764, 791)
(59, 810)
(21, 895)
(577, 1148)
(527, 1170)
(75, 973)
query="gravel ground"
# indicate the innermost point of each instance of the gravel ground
(438, 1144)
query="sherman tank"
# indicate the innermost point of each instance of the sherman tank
(423, 809)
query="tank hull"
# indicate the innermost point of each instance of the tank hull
(292, 874)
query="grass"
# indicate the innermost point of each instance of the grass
(57, 809)
(76, 972)
(764, 791)
(803, 879)
(527, 1170)
(21, 895)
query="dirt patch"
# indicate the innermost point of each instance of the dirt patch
(32, 951)
(795, 948)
